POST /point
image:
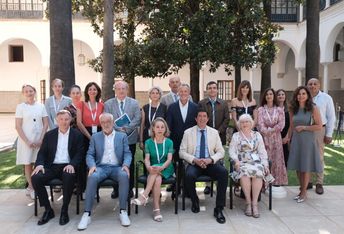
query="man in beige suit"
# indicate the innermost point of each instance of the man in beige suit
(201, 147)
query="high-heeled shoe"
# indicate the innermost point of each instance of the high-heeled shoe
(255, 212)
(248, 210)
(141, 201)
(296, 197)
(301, 199)
(157, 216)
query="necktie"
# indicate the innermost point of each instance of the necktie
(175, 97)
(202, 147)
(213, 107)
(122, 107)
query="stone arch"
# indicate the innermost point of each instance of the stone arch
(327, 47)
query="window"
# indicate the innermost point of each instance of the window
(225, 88)
(16, 53)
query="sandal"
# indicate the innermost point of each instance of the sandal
(255, 212)
(157, 216)
(142, 200)
(248, 210)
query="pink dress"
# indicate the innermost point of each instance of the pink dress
(270, 124)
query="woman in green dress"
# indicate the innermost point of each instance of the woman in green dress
(158, 158)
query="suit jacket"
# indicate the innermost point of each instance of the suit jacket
(189, 143)
(176, 124)
(49, 106)
(132, 108)
(221, 115)
(47, 152)
(168, 99)
(96, 150)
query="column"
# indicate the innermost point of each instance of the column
(327, 4)
(300, 19)
(299, 76)
(325, 78)
(201, 83)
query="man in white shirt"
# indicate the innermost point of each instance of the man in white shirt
(59, 157)
(325, 105)
(107, 157)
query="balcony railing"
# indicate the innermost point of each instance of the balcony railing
(22, 10)
(284, 17)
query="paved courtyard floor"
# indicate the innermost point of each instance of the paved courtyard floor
(319, 214)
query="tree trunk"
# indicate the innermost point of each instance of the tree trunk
(108, 52)
(61, 43)
(266, 68)
(237, 78)
(194, 81)
(131, 44)
(312, 40)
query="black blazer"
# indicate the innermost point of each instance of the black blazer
(175, 122)
(46, 154)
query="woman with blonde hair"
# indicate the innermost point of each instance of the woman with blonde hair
(158, 158)
(31, 122)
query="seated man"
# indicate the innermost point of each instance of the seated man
(107, 157)
(201, 147)
(58, 157)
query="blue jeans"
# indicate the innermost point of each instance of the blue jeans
(103, 172)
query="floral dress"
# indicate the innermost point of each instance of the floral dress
(271, 122)
(250, 153)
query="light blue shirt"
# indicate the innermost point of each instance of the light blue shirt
(199, 143)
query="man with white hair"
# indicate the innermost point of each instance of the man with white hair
(172, 96)
(325, 105)
(120, 106)
(107, 157)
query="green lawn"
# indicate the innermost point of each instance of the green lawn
(11, 176)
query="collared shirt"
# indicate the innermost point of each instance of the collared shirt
(325, 105)
(62, 155)
(184, 109)
(199, 134)
(109, 155)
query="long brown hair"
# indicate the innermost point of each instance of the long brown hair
(295, 105)
(243, 84)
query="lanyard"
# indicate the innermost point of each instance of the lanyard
(248, 141)
(93, 115)
(150, 112)
(56, 108)
(273, 115)
(246, 107)
(157, 151)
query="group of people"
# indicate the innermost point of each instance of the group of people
(97, 140)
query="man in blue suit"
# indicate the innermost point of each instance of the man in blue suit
(181, 115)
(107, 157)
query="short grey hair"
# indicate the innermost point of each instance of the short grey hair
(155, 88)
(245, 117)
(184, 85)
(106, 115)
(120, 82)
(62, 112)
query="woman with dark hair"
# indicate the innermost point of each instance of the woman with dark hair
(75, 95)
(244, 103)
(270, 125)
(88, 113)
(304, 154)
(282, 103)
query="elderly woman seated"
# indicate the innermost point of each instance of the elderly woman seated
(248, 152)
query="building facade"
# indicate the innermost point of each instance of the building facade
(24, 53)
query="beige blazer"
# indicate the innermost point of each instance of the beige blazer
(188, 146)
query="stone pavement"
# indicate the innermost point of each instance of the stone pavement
(319, 214)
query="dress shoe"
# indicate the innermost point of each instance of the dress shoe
(114, 194)
(207, 190)
(310, 185)
(64, 218)
(195, 207)
(220, 218)
(47, 215)
(319, 189)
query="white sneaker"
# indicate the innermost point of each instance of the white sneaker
(123, 217)
(84, 222)
(30, 193)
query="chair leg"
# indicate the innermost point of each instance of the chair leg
(52, 193)
(98, 195)
(211, 188)
(230, 195)
(129, 208)
(270, 196)
(35, 204)
(176, 199)
(183, 194)
(77, 200)
(136, 194)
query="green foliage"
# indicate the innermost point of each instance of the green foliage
(177, 32)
